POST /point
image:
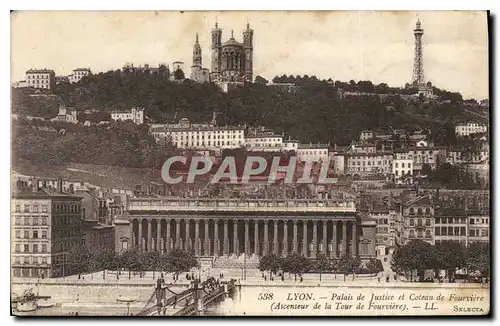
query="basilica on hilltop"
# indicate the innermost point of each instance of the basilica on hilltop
(232, 61)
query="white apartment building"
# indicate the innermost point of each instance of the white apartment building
(462, 228)
(41, 78)
(402, 167)
(66, 115)
(368, 163)
(471, 127)
(264, 143)
(365, 135)
(433, 156)
(78, 74)
(136, 115)
(290, 145)
(200, 136)
(312, 152)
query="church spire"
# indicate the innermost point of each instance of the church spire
(197, 52)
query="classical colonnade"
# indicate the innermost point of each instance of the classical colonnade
(235, 236)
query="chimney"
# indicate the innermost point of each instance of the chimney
(59, 184)
(71, 188)
(34, 184)
(44, 184)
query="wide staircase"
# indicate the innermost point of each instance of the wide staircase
(234, 261)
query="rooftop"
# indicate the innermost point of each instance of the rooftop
(39, 71)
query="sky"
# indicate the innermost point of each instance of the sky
(342, 45)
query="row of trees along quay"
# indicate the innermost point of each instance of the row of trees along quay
(419, 256)
(81, 260)
(299, 265)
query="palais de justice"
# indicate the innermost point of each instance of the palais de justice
(217, 227)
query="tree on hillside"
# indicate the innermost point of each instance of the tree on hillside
(260, 80)
(179, 74)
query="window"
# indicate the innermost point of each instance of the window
(427, 234)
(18, 247)
(412, 234)
(44, 247)
(26, 248)
(427, 222)
(44, 208)
(35, 208)
(18, 208)
(26, 208)
(35, 220)
(419, 211)
(44, 260)
(35, 234)
(26, 221)
(44, 234)
(443, 230)
(412, 222)
(35, 247)
(18, 220)
(44, 221)
(462, 230)
(26, 234)
(437, 230)
(18, 234)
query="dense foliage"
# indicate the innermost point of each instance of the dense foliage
(121, 144)
(316, 113)
(420, 256)
(82, 260)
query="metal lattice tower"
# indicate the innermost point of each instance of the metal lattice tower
(418, 61)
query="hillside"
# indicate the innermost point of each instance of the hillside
(315, 113)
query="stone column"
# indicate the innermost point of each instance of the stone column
(334, 239)
(216, 238)
(158, 234)
(139, 237)
(206, 240)
(266, 237)
(275, 240)
(354, 240)
(344, 238)
(177, 233)
(132, 238)
(325, 240)
(247, 240)
(235, 237)
(285, 238)
(168, 238)
(187, 239)
(295, 240)
(315, 239)
(305, 248)
(197, 237)
(256, 238)
(226, 238)
(150, 238)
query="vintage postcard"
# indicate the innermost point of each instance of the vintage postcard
(332, 163)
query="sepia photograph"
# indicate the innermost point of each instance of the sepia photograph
(250, 163)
